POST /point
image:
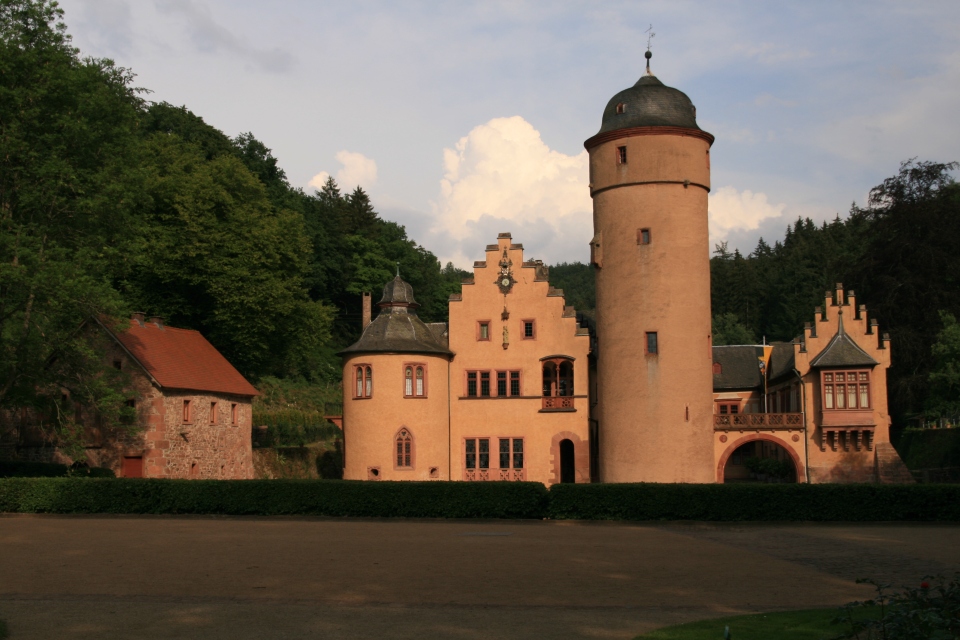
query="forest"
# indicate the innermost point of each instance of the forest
(111, 203)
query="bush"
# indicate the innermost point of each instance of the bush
(291, 428)
(930, 611)
(758, 502)
(16, 469)
(930, 448)
(275, 497)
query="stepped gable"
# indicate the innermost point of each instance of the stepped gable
(739, 367)
(397, 328)
(842, 351)
(181, 359)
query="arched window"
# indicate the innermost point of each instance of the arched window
(364, 387)
(558, 377)
(404, 449)
(414, 380)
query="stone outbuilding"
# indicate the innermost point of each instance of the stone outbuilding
(194, 409)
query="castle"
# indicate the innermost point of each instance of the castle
(514, 388)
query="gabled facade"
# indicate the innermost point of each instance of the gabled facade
(501, 393)
(819, 403)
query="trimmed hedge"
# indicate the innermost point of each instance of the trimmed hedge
(16, 469)
(705, 502)
(756, 502)
(275, 497)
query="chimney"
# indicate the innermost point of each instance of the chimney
(157, 320)
(137, 317)
(367, 309)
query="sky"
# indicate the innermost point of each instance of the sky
(463, 120)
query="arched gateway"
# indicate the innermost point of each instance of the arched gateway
(759, 458)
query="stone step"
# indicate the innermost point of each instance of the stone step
(890, 468)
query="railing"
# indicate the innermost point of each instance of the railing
(557, 403)
(737, 421)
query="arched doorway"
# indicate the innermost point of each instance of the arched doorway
(568, 467)
(760, 460)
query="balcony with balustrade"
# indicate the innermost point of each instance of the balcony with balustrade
(757, 421)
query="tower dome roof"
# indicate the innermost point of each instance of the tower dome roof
(398, 291)
(649, 103)
(398, 329)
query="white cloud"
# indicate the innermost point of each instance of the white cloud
(502, 177)
(358, 170)
(732, 210)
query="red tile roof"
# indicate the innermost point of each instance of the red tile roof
(183, 359)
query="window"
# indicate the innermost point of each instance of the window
(477, 453)
(557, 377)
(529, 330)
(717, 368)
(483, 330)
(471, 384)
(404, 449)
(514, 383)
(485, 384)
(186, 411)
(846, 390)
(117, 365)
(414, 381)
(511, 453)
(213, 413)
(234, 414)
(621, 155)
(726, 408)
(643, 236)
(652, 347)
(364, 379)
(621, 108)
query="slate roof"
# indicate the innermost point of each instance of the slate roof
(739, 367)
(782, 361)
(182, 359)
(649, 103)
(397, 328)
(842, 351)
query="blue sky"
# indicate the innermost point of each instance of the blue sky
(463, 120)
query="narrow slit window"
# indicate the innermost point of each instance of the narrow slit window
(652, 345)
(621, 155)
(643, 236)
(186, 411)
(213, 413)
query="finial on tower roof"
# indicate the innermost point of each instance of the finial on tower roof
(398, 268)
(648, 53)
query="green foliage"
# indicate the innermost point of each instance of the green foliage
(292, 393)
(16, 469)
(929, 611)
(275, 497)
(578, 283)
(291, 428)
(68, 198)
(814, 624)
(727, 329)
(944, 398)
(756, 502)
(930, 448)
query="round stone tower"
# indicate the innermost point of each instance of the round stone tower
(396, 399)
(649, 180)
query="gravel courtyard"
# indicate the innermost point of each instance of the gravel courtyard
(219, 577)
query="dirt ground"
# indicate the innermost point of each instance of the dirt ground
(193, 577)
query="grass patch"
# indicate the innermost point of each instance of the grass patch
(812, 624)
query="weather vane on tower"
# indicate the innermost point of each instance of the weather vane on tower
(648, 54)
